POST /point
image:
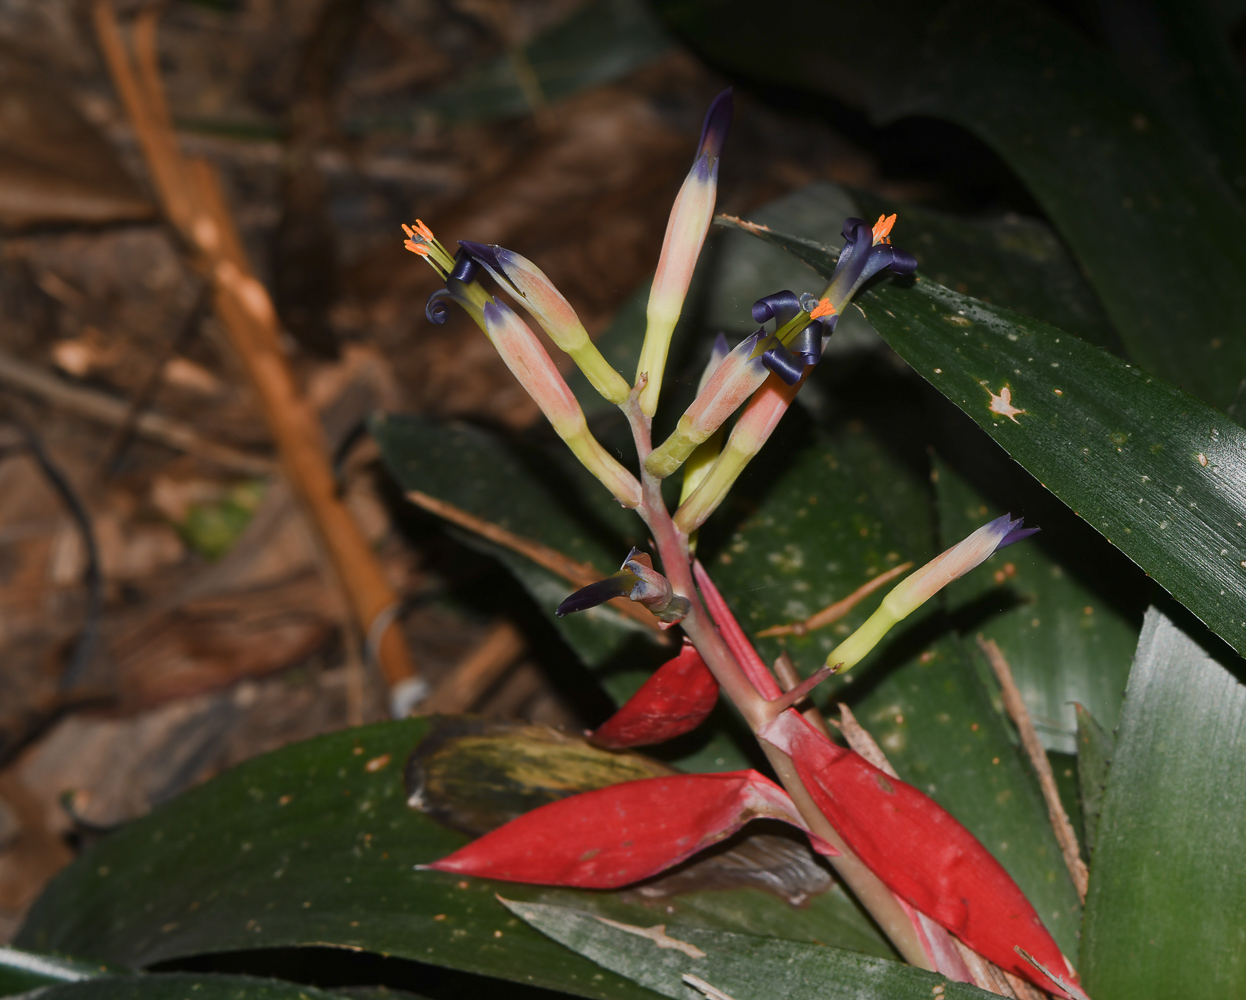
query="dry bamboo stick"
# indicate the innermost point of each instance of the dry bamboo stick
(191, 197)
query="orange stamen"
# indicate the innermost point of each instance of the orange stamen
(427, 233)
(823, 308)
(418, 248)
(882, 228)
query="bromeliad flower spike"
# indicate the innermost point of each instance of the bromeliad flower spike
(919, 872)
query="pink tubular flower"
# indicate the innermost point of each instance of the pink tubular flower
(531, 364)
(685, 234)
(751, 431)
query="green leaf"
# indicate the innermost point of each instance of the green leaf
(525, 492)
(1095, 748)
(1177, 53)
(1167, 899)
(315, 844)
(181, 986)
(933, 719)
(1008, 260)
(1065, 640)
(834, 513)
(1160, 237)
(1159, 474)
(742, 966)
(25, 970)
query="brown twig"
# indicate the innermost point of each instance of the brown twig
(467, 683)
(191, 197)
(106, 409)
(1020, 715)
(578, 574)
(834, 612)
(985, 973)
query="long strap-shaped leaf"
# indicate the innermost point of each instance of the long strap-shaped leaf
(1162, 239)
(1159, 474)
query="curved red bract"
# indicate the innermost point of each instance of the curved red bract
(614, 836)
(674, 701)
(919, 850)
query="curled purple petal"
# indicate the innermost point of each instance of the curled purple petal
(616, 585)
(808, 343)
(436, 309)
(858, 237)
(466, 267)
(779, 306)
(783, 363)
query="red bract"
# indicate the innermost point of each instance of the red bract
(734, 636)
(675, 700)
(919, 850)
(618, 835)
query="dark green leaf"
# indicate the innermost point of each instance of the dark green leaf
(1008, 260)
(181, 986)
(315, 844)
(1095, 747)
(25, 970)
(742, 966)
(932, 718)
(1161, 238)
(1159, 474)
(833, 514)
(1177, 53)
(1167, 900)
(1064, 641)
(528, 494)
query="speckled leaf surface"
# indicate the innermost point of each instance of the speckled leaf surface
(1167, 903)
(935, 722)
(838, 514)
(181, 986)
(315, 844)
(1159, 474)
(1160, 236)
(741, 966)
(1065, 641)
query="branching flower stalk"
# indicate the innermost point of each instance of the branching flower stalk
(834, 792)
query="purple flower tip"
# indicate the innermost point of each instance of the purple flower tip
(495, 311)
(1013, 531)
(714, 131)
(486, 253)
(617, 585)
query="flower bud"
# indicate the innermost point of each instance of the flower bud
(528, 284)
(532, 366)
(918, 587)
(685, 235)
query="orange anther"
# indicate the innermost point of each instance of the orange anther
(414, 247)
(823, 308)
(427, 233)
(882, 228)
(409, 231)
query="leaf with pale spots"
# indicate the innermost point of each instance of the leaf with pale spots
(740, 966)
(1159, 474)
